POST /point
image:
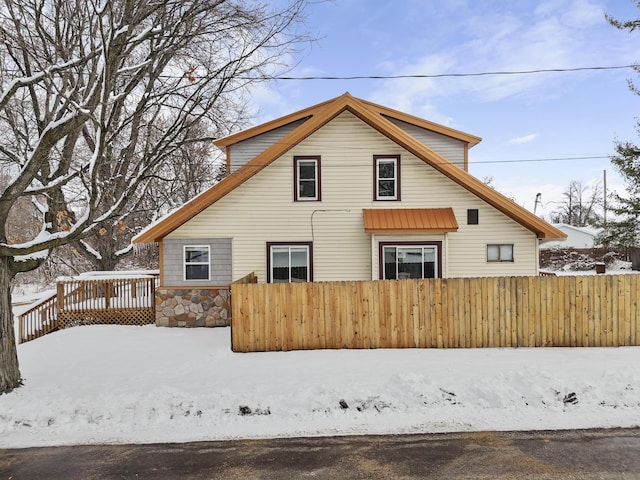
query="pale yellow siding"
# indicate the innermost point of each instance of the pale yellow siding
(262, 210)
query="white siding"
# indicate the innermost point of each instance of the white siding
(262, 210)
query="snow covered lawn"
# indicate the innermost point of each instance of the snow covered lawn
(116, 384)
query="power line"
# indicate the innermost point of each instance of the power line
(450, 75)
(471, 162)
(396, 77)
(558, 159)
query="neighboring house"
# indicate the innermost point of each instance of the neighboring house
(343, 190)
(577, 237)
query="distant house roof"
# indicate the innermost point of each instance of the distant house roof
(576, 237)
(375, 116)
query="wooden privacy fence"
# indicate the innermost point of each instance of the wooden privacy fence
(595, 310)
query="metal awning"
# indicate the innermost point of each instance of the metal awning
(409, 220)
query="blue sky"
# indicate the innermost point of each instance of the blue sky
(519, 117)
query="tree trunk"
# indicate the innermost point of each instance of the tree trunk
(9, 371)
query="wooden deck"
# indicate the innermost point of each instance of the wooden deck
(100, 299)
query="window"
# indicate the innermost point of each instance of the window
(289, 262)
(410, 261)
(500, 252)
(306, 173)
(472, 216)
(196, 262)
(387, 177)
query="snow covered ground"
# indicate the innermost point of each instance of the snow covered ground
(117, 384)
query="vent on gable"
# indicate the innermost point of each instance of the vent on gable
(472, 216)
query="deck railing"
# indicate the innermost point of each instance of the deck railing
(38, 320)
(128, 301)
(105, 298)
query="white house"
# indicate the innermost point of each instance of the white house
(577, 237)
(343, 190)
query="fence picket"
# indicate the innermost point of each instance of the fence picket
(596, 310)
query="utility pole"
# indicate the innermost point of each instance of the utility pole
(604, 198)
(536, 202)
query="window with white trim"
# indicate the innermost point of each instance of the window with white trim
(409, 261)
(500, 252)
(289, 262)
(196, 262)
(387, 177)
(307, 178)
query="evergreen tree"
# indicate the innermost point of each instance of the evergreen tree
(623, 227)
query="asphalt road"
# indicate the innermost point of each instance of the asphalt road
(585, 454)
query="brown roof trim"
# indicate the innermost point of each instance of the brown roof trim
(519, 214)
(382, 110)
(320, 115)
(422, 123)
(271, 125)
(162, 228)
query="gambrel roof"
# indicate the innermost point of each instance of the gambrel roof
(375, 116)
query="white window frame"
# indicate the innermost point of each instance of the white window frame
(185, 263)
(299, 161)
(380, 159)
(502, 248)
(290, 246)
(408, 246)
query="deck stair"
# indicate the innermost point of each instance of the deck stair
(123, 298)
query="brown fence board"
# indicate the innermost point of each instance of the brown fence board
(596, 310)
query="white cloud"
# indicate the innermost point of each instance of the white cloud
(524, 139)
(556, 34)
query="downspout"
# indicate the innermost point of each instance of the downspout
(373, 250)
(445, 267)
(537, 240)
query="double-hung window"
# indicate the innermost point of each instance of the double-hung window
(387, 177)
(306, 172)
(196, 262)
(409, 261)
(289, 262)
(500, 252)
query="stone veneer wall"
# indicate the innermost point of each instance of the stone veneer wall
(192, 307)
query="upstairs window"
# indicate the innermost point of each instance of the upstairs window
(306, 173)
(196, 262)
(500, 252)
(387, 177)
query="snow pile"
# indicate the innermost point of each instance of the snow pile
(118, 384)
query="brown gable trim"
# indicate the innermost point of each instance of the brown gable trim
(271, 125)
(215, 193)
(519, 214)
(321, 114)
(381, 109)
(421, 122)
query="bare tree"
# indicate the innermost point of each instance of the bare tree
(580, 205)
(189, 170)
(96, 95)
